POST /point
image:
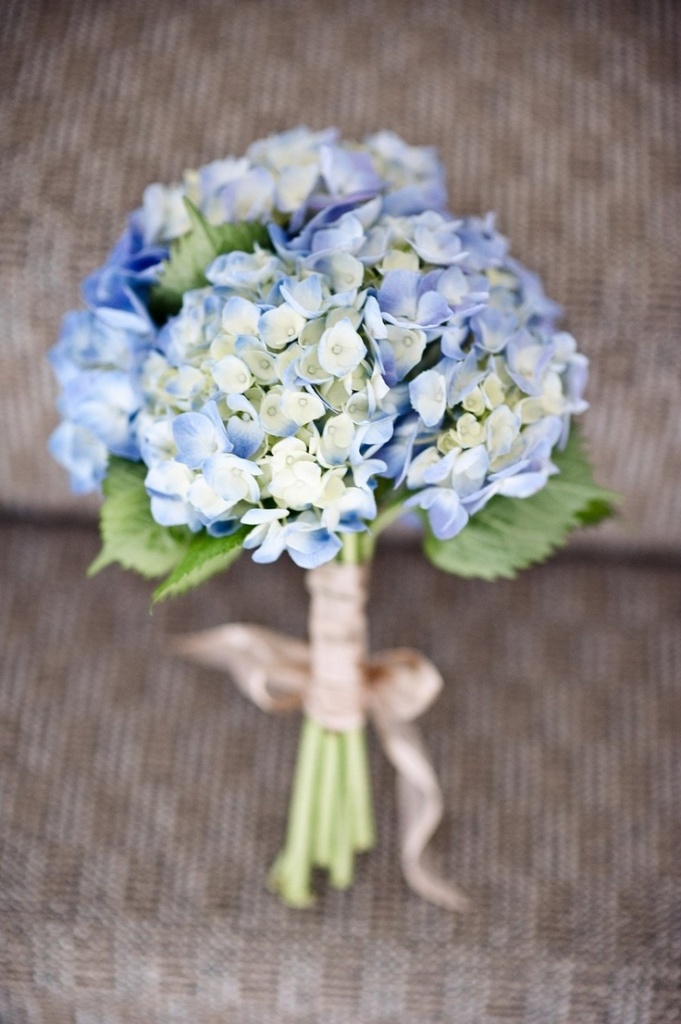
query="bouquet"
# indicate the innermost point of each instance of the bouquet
(281, 355)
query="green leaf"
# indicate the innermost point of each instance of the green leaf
(509, 534)
(596, 511)
(129, 533)
(204, 557)
(133, 538)
(193, 252)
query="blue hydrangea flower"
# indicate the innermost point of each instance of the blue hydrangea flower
(378, 336)
(82, 455)
(200, 435)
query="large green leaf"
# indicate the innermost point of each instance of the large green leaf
(509, 534)
(204, 557)
(193, 252)
(129, 533)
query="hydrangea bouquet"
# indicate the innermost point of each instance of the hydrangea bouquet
(283, 354)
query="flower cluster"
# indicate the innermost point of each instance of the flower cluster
(378, 338)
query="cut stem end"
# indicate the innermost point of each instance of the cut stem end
(330, 813)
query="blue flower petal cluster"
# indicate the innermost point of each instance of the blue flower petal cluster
(380, 338)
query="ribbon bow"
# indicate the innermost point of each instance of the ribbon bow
(276, 673)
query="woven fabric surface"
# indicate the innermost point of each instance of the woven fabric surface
(142, 801)
(563, 117)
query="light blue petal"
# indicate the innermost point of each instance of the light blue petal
(81, 454)
(414, 199)
(493, 329)
(462, 378)
(398, 294)
(428, 394)
(245, 435)
(446, 514)
(311, 548)
(346, 172)
(523, 485)
(199, 435)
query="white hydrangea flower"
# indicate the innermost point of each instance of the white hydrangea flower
(425, 461)
(474, 401)
(306, 296)
(298, 146)
(469, 469)
(428, 393)
(243, 271)
(552, 395)
(493, 390)
(184, 388)
(273, 418)
(400, 259)
(333, 488)
(232, 375)
(239, 316)
(285, 453)
(337, 438)
(310, 368)
(208, 503)
(233, 478)
(469, 431)
(298, 485)
(164, 213)
(279, 326)
(302, 406)
(343, 271)
(168, 485)
(501, 430)
(294, 185)
(341, 349)
(529, 410)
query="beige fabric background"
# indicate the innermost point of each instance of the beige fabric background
(563, 117)
(142, 801)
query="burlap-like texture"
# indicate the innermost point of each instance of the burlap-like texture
(142, 800)
(563, 117)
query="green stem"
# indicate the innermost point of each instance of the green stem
(328, 784)
(358, 548)
(359, 790)
(386, 517)
(292, 871)
(341, 869)
(351, 552)
(330, 813)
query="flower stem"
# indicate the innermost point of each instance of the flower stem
(351, 552)
(291, 873)
(330, 813)
(342, 866)
(359, 789)
(329, 776)
(386, 517)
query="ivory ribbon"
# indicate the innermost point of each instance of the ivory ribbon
(338, 685)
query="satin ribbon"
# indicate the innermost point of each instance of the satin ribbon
(394, 687)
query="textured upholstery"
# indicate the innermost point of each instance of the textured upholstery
(564, 117)
(142, 801)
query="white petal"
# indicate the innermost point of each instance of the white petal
(341, 349)
(302, 407)
(232, 375)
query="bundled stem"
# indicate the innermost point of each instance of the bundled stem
(330, 812)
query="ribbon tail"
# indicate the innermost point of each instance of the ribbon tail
(420, 810)
(270, 669)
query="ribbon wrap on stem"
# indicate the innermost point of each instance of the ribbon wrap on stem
(335, 681)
